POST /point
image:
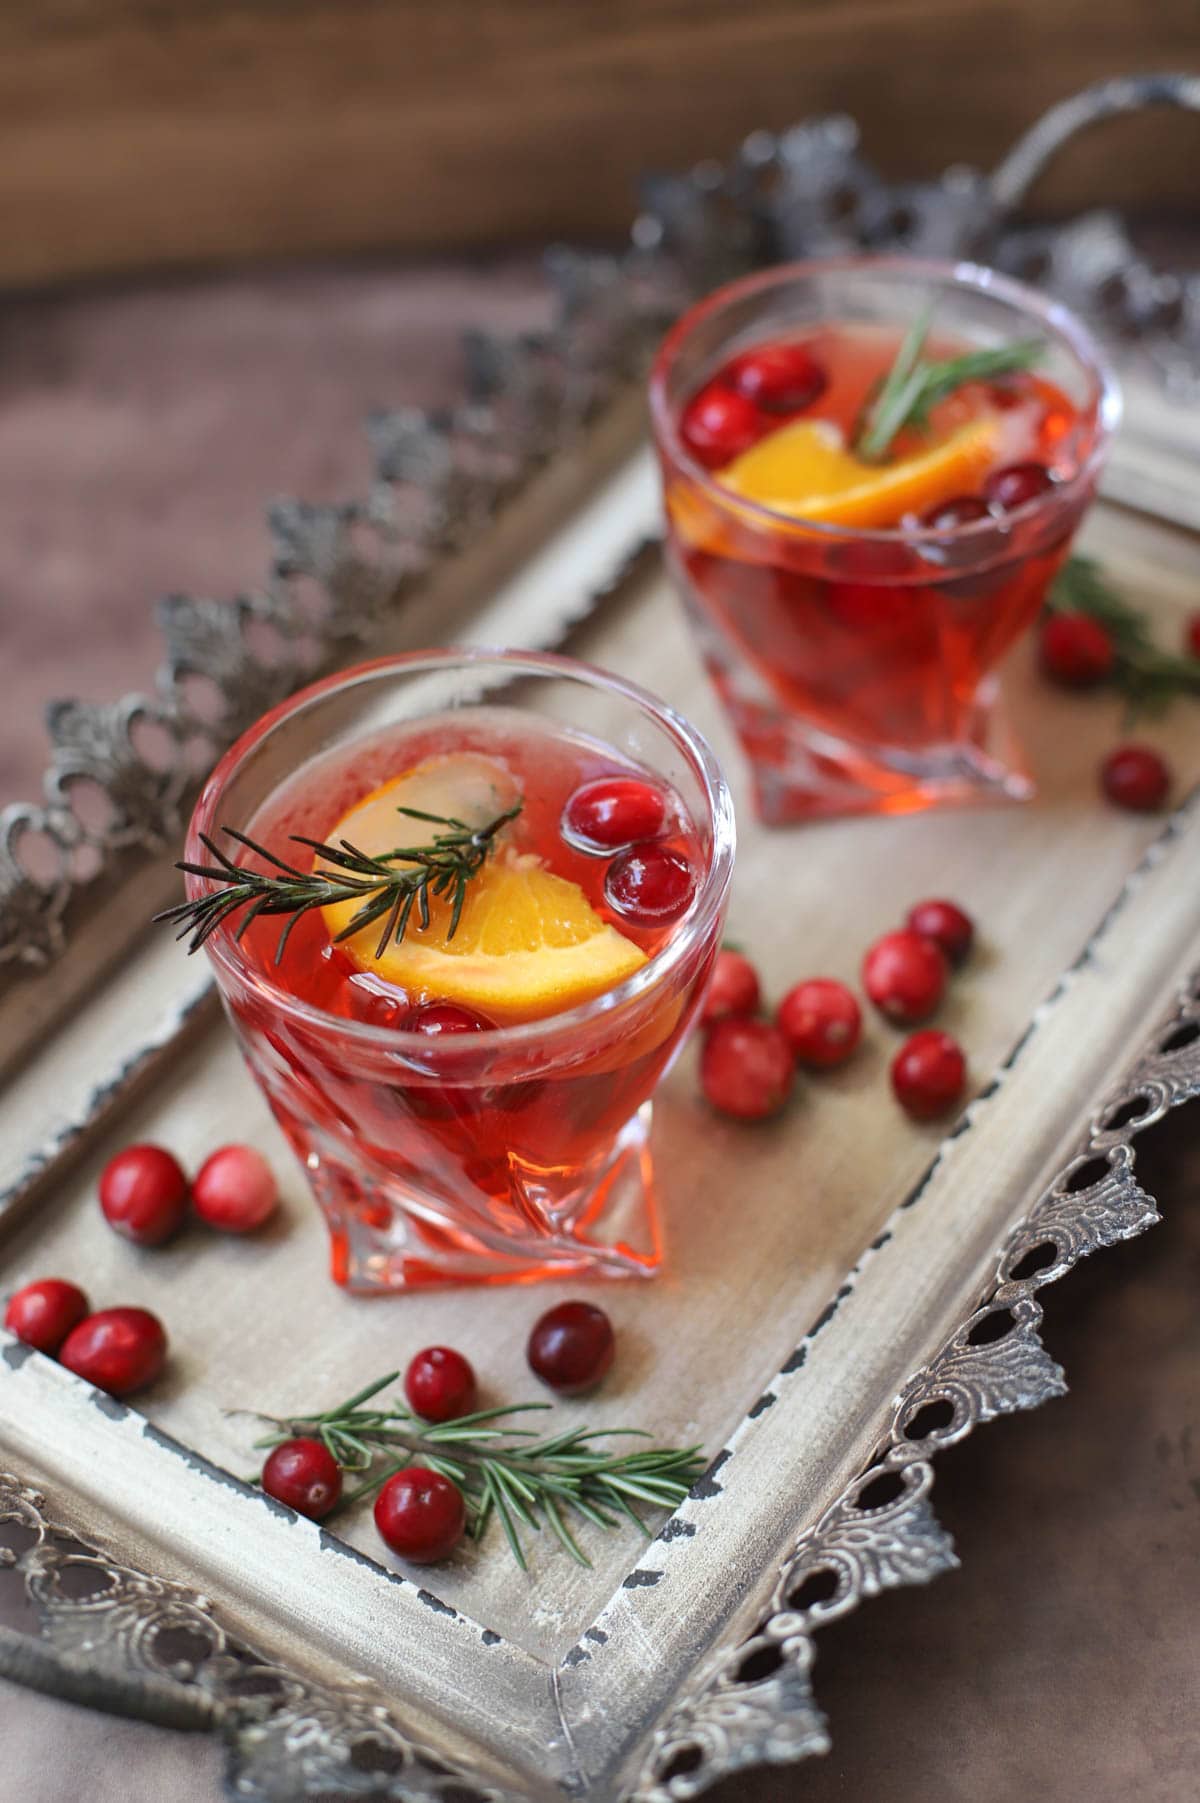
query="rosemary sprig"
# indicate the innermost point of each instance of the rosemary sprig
(389, 886)
(504, 1471)
(1148, 677)
(913, 387)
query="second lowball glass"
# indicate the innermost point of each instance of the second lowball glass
(852, 611)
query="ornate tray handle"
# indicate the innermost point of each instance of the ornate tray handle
(1033, 153)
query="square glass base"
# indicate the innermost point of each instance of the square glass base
(387, 1235)
(803, 773)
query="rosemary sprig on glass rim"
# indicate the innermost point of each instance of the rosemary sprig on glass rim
(390, 886)
(504, 1471)
(913, 387)
(1148, 677)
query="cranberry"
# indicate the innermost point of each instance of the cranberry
(119, 1349)
(779, 378)
(1076, 652)
(420, 1514)
(235, 1190)
(571, 1347)
(929, 1074)
(959, 510)
(43, 1313)
(732, 989)
(436, 1018)
(143, 1193)
(746, 1069)
(1135, 777)
(614, 811)
(649, 885)
(1017, 483)
(439, 1384)
(718, 425)
(904, 975)
(305, 1475)
(952, 931)
(821, 1021)
(1191, 636)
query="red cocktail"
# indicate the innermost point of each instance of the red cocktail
(858, 545)
(464, 1066)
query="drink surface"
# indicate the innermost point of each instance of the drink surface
(544, 896)
(802, 459)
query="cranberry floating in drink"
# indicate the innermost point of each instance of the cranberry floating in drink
(461, 942)
(872, 469)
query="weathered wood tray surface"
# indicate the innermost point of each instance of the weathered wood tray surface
(823, 1278)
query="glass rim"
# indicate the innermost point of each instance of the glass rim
(226, 954)
(1057, 319)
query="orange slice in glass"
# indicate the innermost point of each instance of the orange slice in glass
(528, 943)
(805, 470)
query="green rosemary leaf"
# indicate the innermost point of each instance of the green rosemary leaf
(503, 1470)
(435, 819)
(564, 1534)
(524, 1497)
(364, 1395)
(627, 1509)
(262, 852)
(386, 887)
(496, 1500)
(591, 1512)
(913, 387)
(480, 1415)
(458, 1474)
(659, 1496)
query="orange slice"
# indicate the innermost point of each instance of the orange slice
(528, 944)
(805, 470)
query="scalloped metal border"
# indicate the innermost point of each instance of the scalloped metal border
(753, 1704)
(112, 1636)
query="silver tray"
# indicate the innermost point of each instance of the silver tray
(845, 1294)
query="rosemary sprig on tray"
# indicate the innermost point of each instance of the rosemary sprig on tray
(389, 886)
(913, 387)
(503, 1471)
(1148, 677)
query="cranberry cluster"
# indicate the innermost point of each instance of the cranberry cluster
(747, 1065)
(752, 395)
(144, 1192)
(144, 1196)
(420, 1513)
(621, 818)
(117, 1349)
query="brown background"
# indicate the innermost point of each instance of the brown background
(152, 132)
